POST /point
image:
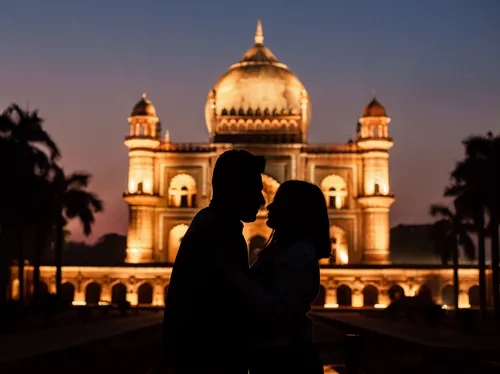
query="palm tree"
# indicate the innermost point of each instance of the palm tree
(26, 153)
(70, 199)
(478, 175)
(449, 234)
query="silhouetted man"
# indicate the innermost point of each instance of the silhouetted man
(205, 326)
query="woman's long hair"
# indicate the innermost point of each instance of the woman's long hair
(309, 220)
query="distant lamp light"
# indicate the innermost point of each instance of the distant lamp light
(331, 306)
(344, 259)
(131, 186)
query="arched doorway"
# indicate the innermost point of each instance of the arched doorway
(344, 295)
(145, 294)
(118, 293)
(370, 296)
(93, 293)
(174, 241)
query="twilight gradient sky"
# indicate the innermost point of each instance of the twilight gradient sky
(435, 65)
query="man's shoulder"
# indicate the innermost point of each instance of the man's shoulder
(205, 226)
(205, 219)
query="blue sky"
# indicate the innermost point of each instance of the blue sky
(433, 64)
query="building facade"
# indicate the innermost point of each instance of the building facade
(261, 106)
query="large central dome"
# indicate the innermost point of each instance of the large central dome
(258, 100)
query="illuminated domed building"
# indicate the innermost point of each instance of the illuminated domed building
(260, 105)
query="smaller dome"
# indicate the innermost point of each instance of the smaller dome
(374, 109)
(144, 107)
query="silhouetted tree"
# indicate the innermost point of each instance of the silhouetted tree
(26, 154)
(477, 179)
(449, 234)
(70, 199)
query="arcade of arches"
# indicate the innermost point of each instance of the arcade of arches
(340, 287)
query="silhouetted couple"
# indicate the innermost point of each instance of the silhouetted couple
(222, 316)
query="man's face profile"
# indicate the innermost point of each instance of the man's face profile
(251, 198)
(237, 180)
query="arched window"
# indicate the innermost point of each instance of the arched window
(335, 189)
(174, 241)
(182, 192)
(340, 249)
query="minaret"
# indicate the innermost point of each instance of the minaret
(375, 199)
(143, 140)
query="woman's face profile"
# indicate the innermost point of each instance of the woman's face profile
(278, 211)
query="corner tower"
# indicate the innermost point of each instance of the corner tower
(375, 198)
(142, 141)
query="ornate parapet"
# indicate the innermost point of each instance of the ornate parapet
(342, 286)
(330, 148)
(186, 147)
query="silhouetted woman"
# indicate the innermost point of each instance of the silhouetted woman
(285, 281)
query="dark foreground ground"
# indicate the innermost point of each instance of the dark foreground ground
(139, 352)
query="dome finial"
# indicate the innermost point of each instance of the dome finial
(259, 34)
(144, 96)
